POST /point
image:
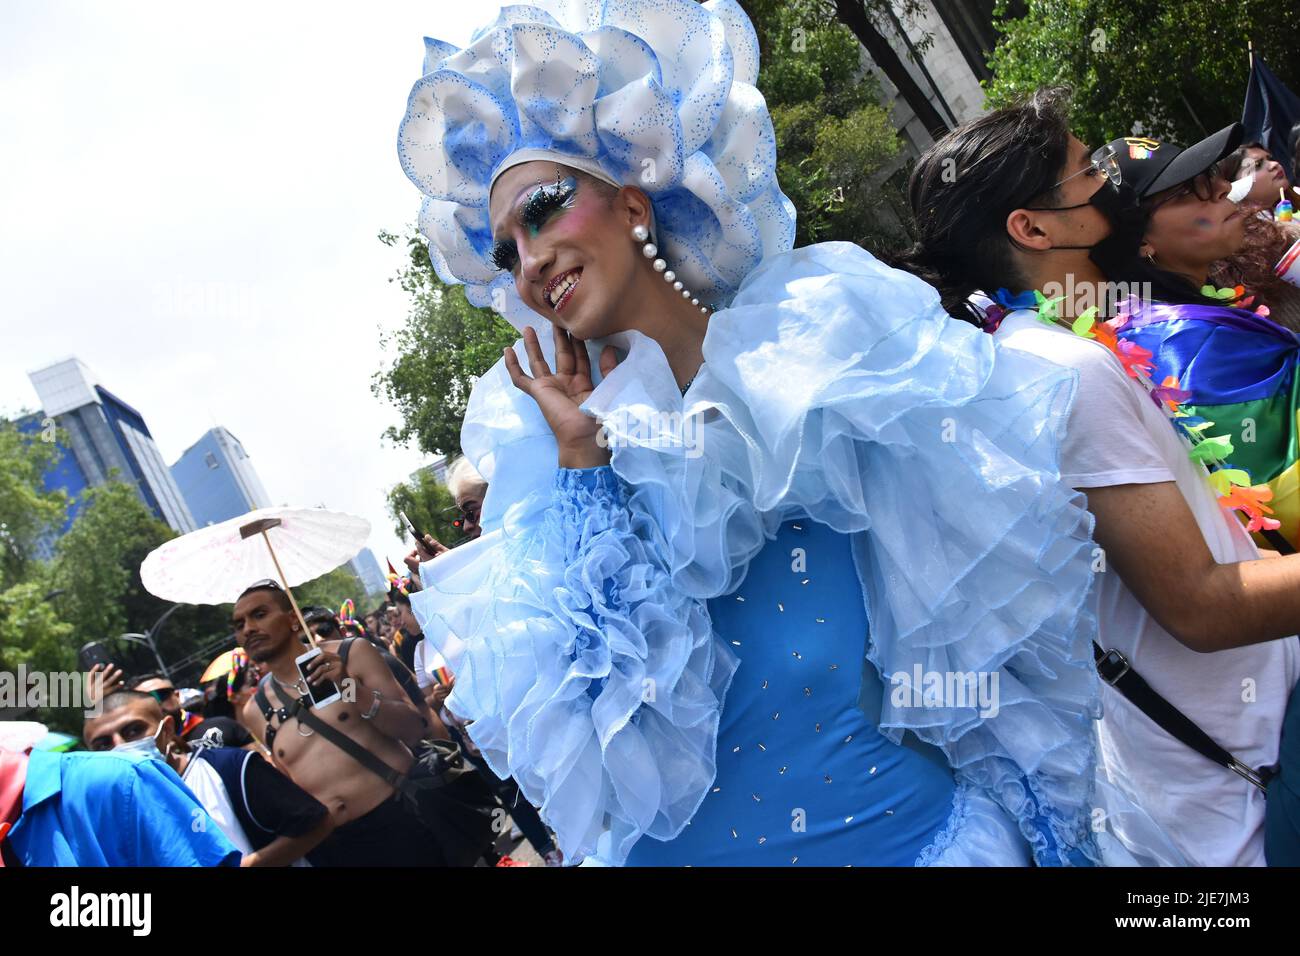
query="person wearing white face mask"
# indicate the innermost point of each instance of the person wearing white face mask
(269, 818)
(99, 809)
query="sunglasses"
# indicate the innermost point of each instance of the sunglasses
(162, 693)
(459, 515)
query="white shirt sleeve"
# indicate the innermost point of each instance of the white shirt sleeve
(1108, 439)
(421, 675)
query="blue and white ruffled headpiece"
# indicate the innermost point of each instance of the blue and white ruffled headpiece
(659, 94)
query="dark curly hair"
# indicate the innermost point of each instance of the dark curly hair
(1252, 266)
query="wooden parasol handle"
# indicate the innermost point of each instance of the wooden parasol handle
(284, 582)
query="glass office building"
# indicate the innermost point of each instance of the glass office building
(218, 480)
(106, 439)
(367, 570)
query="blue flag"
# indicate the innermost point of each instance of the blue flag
(1270, 111)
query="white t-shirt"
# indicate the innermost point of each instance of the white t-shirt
(1116, 435)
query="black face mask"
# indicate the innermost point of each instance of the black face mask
(1128, 221)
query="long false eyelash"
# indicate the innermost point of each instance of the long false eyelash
(505, 255)
(546, 200)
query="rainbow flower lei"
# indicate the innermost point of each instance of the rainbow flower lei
(1232, 485)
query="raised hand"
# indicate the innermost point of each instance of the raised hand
(560, 394)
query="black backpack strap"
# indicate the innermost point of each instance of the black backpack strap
(1279, 544)
(268, 712)
(264, 702)
(349, 746)
(1114, 669)
(345, 647)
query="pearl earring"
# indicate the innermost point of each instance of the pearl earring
(641, 234)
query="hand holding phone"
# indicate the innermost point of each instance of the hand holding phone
(316, 676)
(102, 680)
(427, 546)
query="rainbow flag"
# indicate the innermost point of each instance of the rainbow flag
(1240, 369)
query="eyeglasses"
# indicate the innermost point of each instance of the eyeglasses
(1104, 160)
(1201, 186)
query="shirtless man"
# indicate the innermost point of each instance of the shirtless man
(372, 828)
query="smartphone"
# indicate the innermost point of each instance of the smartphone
(415, 533)
(92, 654)
(322, 695)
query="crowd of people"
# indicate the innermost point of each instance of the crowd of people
(981, 555)
(298, 800)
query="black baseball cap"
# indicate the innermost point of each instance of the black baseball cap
(1152, 166)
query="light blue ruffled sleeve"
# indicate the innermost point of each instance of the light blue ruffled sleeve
(590, 680)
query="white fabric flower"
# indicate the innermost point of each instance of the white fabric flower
(659, 94)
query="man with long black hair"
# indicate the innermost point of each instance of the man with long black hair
(1011, 205)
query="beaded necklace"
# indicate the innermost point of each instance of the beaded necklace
(1232, 486)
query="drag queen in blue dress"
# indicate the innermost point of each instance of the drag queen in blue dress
(718, 594)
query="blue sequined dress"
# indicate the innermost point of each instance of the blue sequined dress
(804, 777)
(612, 630)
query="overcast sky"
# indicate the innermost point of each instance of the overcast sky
(189, 199)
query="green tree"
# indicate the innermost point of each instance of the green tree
(97, 567)
(445, 345)
(428, 504)
(97, 562)
(835, 142)
(331, 590)
(1178, 69)
(27, 509)
(31, 631)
